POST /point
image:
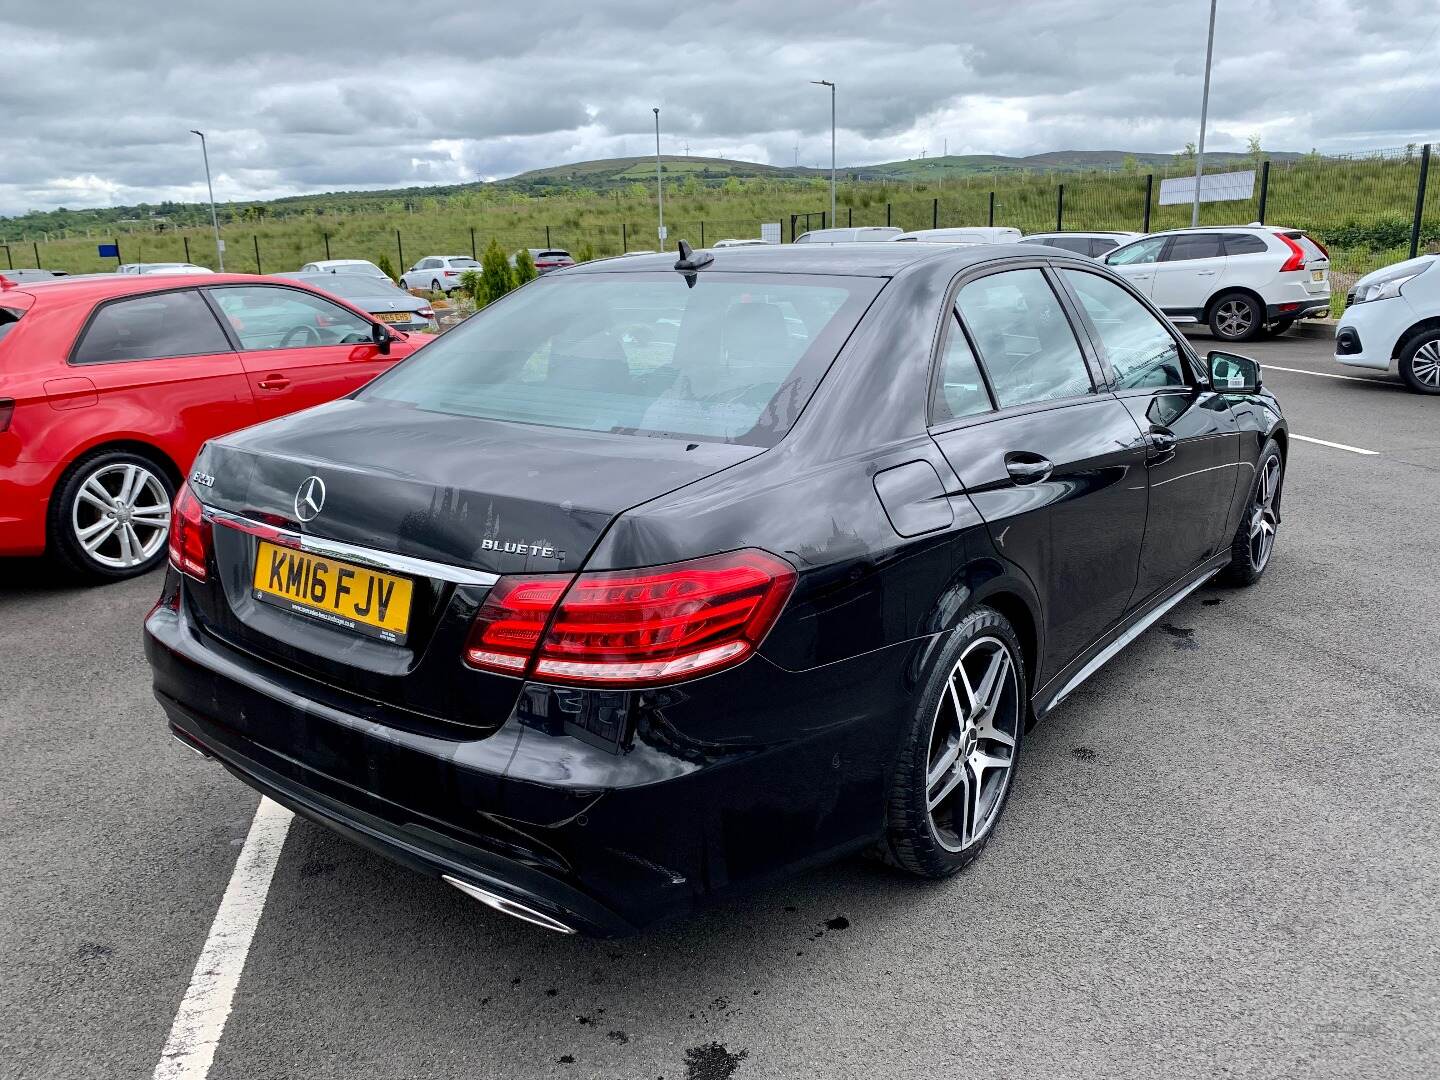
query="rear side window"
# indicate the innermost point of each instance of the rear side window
(1024, 338)
(1195, 246)
(732, 359)
(151, 327)
(1244, 244)
(9, 318)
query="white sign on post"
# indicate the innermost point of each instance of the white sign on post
(1214, 187)
(664, 233)
(220, 246)
(770, 232)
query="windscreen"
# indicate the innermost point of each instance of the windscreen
(732, 359)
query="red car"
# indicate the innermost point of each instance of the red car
(110, 384)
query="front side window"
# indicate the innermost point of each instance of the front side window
(1024, 338)
(268, 317)
(1141, 351)
(732, 359)
(1101, 244)
(961, 391)
(153, 327)
(1195, 246)
(1141, 251)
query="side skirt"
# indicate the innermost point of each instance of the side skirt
(1138, 626)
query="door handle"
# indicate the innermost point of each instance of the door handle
(1204, 273)
(274, 382)
(1160, 443)
(1027, 468)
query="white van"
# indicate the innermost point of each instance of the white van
(859, 234)
(980, 234)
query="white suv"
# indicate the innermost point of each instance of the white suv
(1393, 316)
(1240, 279)
(438, 273)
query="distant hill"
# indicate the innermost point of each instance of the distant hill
(604, 175)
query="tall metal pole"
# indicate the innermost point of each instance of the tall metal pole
(659, 182)
(831, 85)
(1204, 110)
(214, 218)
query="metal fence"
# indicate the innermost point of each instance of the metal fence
(1370, 209)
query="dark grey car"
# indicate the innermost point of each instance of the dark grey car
(378, 296)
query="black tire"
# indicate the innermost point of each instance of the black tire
(105, 564)
(1420, 362)
(435, 286)
(1236, 316)
(916, 840)
(1247, 560)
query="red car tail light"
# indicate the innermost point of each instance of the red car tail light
(632, 628)
(7, 410)
(1296, 261)
(190, 535)
(452, 273)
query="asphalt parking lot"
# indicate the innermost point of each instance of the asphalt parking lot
(1221, 858)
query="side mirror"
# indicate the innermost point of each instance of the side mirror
(1232, 374)
(381, 336)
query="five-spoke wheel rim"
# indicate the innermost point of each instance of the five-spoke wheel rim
(1425, 365)
(972, 744)
(121, 515)
(1234, 318)
(1263, 518)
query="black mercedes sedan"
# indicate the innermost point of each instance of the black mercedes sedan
(657, 578)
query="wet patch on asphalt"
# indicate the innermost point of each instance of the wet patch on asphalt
(712, 1062)
(1184, 635)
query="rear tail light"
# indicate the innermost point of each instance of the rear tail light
(7, 410)
(1296, 261)
(632, 628)
(190, 535)
(452, 273)
(426, 313)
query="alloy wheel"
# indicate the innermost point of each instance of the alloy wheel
(1263, 519)
(972, 744)
(121, 515)
(1425, 364)
(1234, 318)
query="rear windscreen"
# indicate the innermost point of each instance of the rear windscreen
(8, 318)
(732, 359)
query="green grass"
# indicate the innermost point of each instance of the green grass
(1362, 209)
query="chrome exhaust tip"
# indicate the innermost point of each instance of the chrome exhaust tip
(188, 744)
(506, 906)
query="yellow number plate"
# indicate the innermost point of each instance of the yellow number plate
(1317, 275)
(394, 316)
(337, 593)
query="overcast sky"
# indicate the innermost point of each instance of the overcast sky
(308, 95)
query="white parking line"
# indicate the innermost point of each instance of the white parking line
(203, 1011)
(1322, 374)
(1336, 445)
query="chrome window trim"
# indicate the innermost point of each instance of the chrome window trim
(363, 556)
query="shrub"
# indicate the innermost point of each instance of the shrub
(585, 252)
(470, 284)
(524, 267)
(387, 267)
(495, 277)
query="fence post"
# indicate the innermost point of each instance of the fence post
(823, 223)
(992, 208)
(624, 238)
(1149, 191)
(255, 237)
(8, 259)
(849, 215)
(400, 251)
(792, 227)
(887, 215)
(934, 213)
(1060, 208)
(186, 241)
(472, 244)
(702, 232)
(37, 246)
(1264, 187)
(1419, 202)
(547, 236)
(327, 244)
(117, 252)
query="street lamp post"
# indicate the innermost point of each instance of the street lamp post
(214, 218)
(1204, 109)
(659, 182)
(831, 85)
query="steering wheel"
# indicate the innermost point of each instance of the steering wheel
(310, 333)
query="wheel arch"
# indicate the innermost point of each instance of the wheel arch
(1422, 327)
(130, 446)
(1222, 293)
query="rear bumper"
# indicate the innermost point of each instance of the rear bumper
(24, 500)
(605, 841)
(1299, 309)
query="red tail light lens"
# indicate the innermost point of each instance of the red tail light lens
(1296, 261)
(631, 628)
(190, 535)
